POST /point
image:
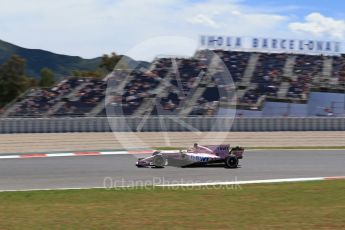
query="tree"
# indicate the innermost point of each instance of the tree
(97, 74)
(13, 81)
(109, 61)
(47, 78)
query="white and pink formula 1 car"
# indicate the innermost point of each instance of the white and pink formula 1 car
(196, 156)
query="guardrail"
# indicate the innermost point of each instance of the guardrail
(171, 124)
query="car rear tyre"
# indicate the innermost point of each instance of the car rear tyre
(231, 162)
(158, 161)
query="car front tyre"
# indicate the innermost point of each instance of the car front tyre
(158, 161)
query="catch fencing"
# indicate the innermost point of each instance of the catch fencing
(169, 124)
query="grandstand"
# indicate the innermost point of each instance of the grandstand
(267, 84)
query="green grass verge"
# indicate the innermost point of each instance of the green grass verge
(310, 205)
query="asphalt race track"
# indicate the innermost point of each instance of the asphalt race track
(91, 171)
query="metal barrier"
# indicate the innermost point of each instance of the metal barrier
(157, 124)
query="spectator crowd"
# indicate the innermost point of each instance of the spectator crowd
(171, 82)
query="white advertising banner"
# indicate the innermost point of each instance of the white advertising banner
(282, 45)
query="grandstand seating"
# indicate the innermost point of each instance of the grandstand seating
(339, 70)
(236, 62)
(182, 82)
(38, 102)
(85, 99)
(138, 89)
(307, 68)
(196, 80)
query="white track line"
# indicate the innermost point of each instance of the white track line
(256, 181)
(245, 182)
(75, 154)
(10, 157)
(270, 181)
(115, 153)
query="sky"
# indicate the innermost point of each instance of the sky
(144, 28)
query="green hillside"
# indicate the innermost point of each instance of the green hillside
(36, 59)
